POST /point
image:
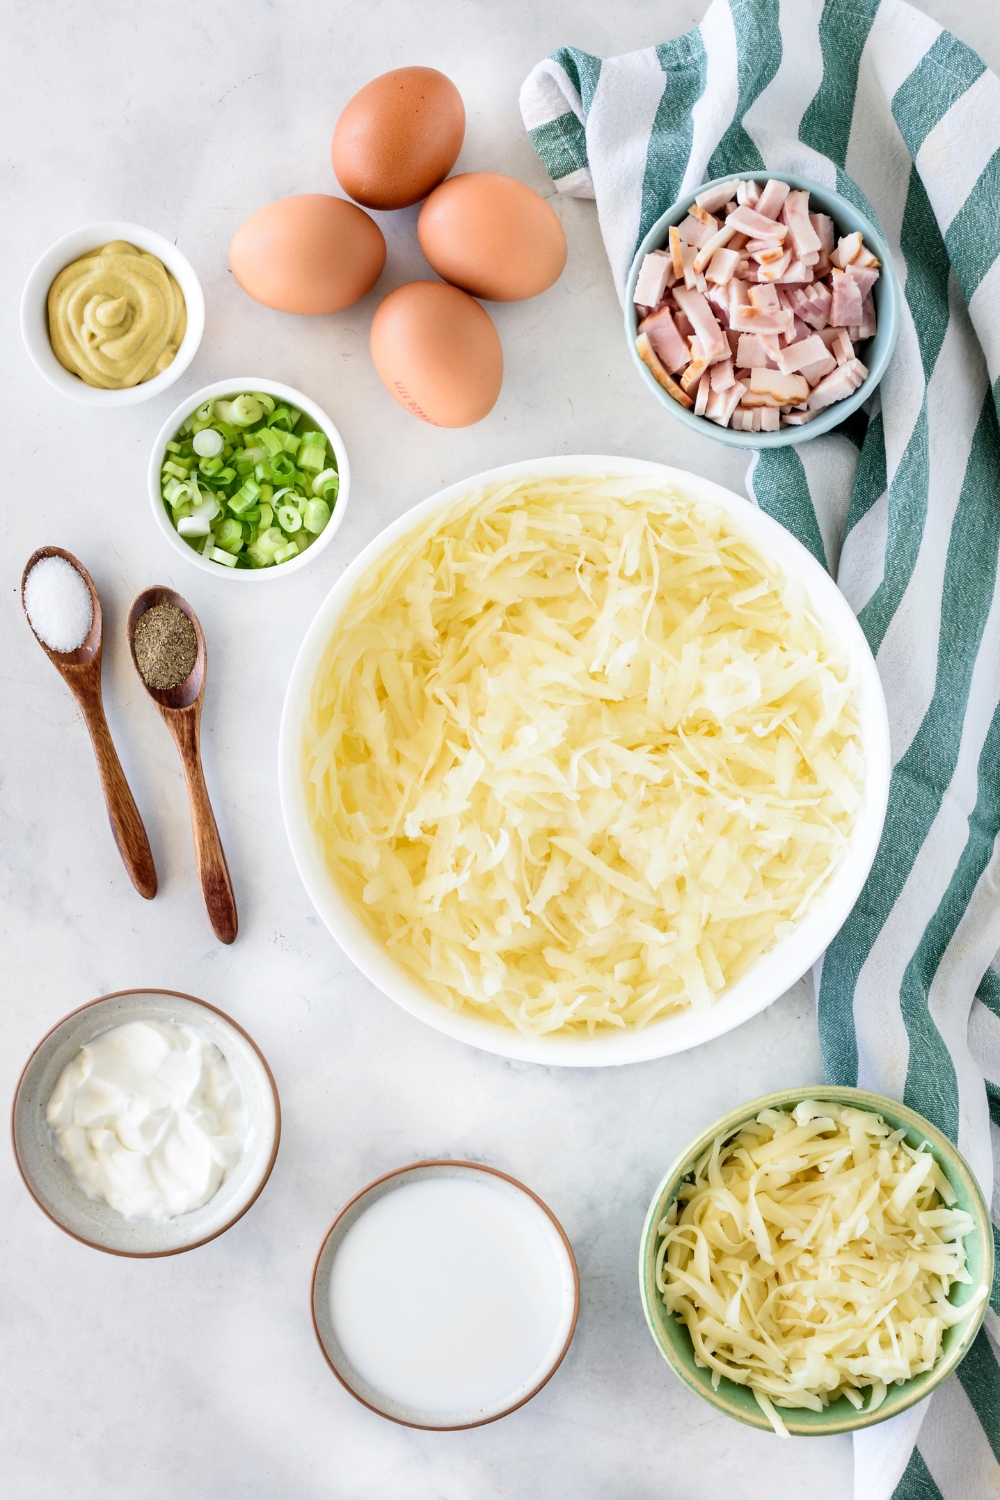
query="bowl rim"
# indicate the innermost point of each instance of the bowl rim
(473, 1166)
(919, 1386)
(34, 314)
(270, 388)
(887, 297)
(176, 1249)
(774, 972)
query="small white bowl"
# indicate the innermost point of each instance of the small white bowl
(562, 1334)
(775, 970)
(94, 1222)
(233, 387)
(35, 320)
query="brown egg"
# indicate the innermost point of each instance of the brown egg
(308, 254)
(493, 236)
(438, 353)
(398, 137)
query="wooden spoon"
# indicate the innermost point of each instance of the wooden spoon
(180, 708)
(81, 670)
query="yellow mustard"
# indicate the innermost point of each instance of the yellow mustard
(116, 316)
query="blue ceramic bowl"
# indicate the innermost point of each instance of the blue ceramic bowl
(846, 219)
(674, 1341)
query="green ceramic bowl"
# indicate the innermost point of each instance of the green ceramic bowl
(846, 219)
(673, 1339)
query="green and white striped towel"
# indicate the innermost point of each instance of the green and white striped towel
(879, 102)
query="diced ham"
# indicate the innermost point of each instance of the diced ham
(714, 242)
(715, 198)
(734, 340)
(797, 419)
(864, 277)
(669, 384)
(718, 300)
(795, 213)
(751, 320)
(671, 350)
(699, 314)
(765, 298)
(694, 232)
(675, 251)
(772, 197)
(846, 303)
(823, 225)
(754, 225)
(796, 356)
(868, 326)
(696, 369)
(704, 391)
(722, 266)
(651, 281)
(747, 192)
(841, 346)
(784, 389)
(811, 304)
(722, 375)
(776, 269)
(770, 419)
(752, 351)
(814, 373)
(839, 383)
(722, 404)
(683, 326)
(797, 271)
(848, 247)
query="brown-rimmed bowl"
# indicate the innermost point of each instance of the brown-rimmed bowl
(381, 1403)
(94, 1222)
(672, 1337)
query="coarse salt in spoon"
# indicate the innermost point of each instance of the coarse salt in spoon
(64, 612)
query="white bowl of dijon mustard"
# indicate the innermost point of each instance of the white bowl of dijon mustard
(112, 328)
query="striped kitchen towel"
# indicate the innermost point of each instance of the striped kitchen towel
(879, 102)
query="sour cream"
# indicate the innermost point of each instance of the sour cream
(150, 1118)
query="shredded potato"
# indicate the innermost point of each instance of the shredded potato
(578, 754)
(811, 1256)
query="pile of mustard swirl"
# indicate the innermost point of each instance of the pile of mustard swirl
(116, 316)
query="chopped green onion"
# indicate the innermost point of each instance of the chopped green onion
(262, 473)
(281, 417)
(225, 558)
(173, 447)
(290, 442)
(230, 535)
(225, 476)
(207, 443)
(288, 518)
(329, 478)
(173, 490)
(204, 413)
(248, 494)
(266, 516)
(282, 467)
(193, 526)
(270, 440)
(316, 516)
(210, 466)
(178, 471)
(267, 402)
(312, 454)
(285, 554)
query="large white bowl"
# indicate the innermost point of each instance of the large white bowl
(269, 388)
(775, 971)
(35, 318)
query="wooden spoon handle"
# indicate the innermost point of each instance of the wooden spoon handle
(126, 824)
(213, 872)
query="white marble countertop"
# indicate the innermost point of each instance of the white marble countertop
(200, 1375)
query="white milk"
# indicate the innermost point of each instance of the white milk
(448, 1294)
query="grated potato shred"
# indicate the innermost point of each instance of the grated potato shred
(811, 1256)
(578, 754)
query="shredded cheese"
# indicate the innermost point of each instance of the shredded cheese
(578, 753)
(811, 1256)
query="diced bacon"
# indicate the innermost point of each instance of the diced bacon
(864, 277)
(734, 340)
(701, 399)
(762, 247)
(752, 320)
(754, 225)
(770, 419)
(765, 298)
(796, 356)
(714, 242)
(797, 419)
(675, 251)
(797, 272)
(715, 198)
(811, 304)
(696, 369)
(671, 350)
(722, 404)
(814, 373)
(841, 346)
(838, 384)
(752, 351)
(795, 213)
(693, 232)
(776, 269)
(682, 325)
(823, 225)
(747, 192)
(782, 388)
(722, 375)
(669, 384)
(867, 327)
(865, 257)
(846, 303)
(768, 256)
(848, 247)
(722, 266)
(699, 314)
(651, 281)
(772, 197)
